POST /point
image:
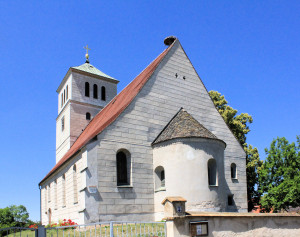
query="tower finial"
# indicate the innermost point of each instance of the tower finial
(87, 54)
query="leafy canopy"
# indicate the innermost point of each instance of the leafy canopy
(279, 176)
(239, 125)
(14, 216)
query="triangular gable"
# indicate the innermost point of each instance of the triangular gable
(111, 111)
(183, 125)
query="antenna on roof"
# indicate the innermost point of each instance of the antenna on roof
(169, 40)
(87, 54)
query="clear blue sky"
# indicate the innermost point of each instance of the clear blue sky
(247, 50)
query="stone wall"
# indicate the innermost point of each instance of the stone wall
(248, 225)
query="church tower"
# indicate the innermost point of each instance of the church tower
(83, 92)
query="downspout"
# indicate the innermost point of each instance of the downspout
(40, 188)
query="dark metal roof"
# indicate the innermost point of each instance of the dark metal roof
(183, 125)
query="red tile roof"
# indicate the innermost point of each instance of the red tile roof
(111, 111)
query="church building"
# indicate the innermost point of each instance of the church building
(118, 156)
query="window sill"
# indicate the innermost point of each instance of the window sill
(124, 186)
(161, 189)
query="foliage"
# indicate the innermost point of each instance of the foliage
(279, 176)
(14, 216)
(239, 125)
(6, 218)
(19, 213)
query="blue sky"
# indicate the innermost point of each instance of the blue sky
(247, 50)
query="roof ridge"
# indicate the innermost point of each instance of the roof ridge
(112, 110)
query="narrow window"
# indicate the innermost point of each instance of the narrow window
(95, 90)
(87, 89)
(123, 168)
(212, 172)
(55, 194)
(49, 193)
(159, 179)
(46, 199)
(103, 93)
(88, 116)
(62, 99)
(64, 96)
(233, 171)
(63, 184)
(63, 124)
(230, 200)
(75, 184)
(67, 92)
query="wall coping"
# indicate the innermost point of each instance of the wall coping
(233, 214)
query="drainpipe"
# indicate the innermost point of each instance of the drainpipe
(40, 188)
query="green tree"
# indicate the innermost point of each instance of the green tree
(6, 218)
(239, 125)
(279, 176)
(20, 214)
(14, 216)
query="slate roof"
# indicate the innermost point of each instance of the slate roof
(111, 111)
(183, 125)
(87, 67)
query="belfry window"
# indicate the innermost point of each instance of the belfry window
(67, 95)
(123, 168)
(87, 89)
(88, 116)
(212, 172)
(103, 93)
(95, 90)
(233, 171)
(160, 179)
(64, 96)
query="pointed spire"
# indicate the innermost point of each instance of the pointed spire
(87, 53)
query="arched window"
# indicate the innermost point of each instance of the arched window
(123, 168)
(75, 184)
(64, 96)
(62, 99)
(67, 92)
(103, 93)
(88, 116)
(87, 89)
(95, 90)
(160, 179)
(233, 171)
(63, 184)
(212, 172)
